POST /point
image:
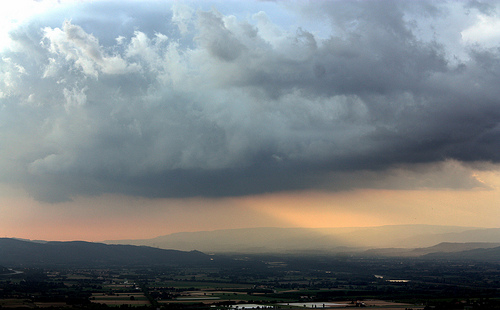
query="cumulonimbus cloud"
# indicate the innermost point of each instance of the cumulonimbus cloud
(212, 104)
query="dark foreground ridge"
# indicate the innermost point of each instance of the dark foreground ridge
(14, 252)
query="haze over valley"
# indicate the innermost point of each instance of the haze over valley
(322, 240)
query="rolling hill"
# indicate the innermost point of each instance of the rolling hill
(15, 252)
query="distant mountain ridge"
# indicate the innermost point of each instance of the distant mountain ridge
(481, 254)
(285, 240)
(362, 242)
(444, 247)
(14, 252)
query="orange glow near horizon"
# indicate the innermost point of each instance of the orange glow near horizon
(363, 208)
(312, 210)
(109, 217)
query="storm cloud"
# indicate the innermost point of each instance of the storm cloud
(162, 99)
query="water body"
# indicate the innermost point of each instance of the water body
(196, 298)
(313, 304)
(251, 306)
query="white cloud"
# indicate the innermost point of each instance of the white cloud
(182, 16)
(72, 43)
(485, 32)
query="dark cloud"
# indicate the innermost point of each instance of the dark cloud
(161, 101)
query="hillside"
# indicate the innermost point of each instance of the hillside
(25, 253)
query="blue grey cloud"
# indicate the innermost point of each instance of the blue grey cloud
(172, 100)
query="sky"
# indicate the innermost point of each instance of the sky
(135, 119)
